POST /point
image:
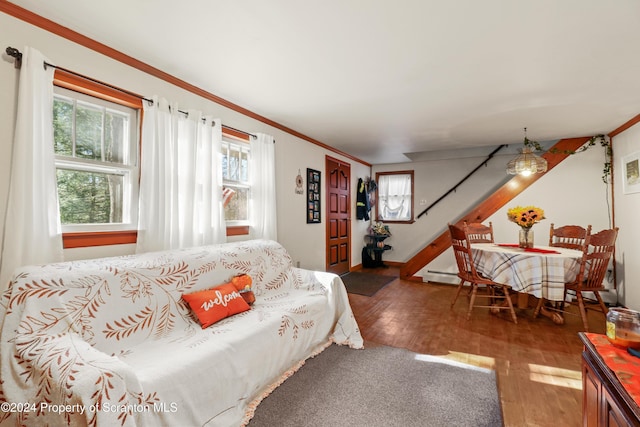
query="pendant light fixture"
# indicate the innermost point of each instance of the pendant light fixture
(527, 162)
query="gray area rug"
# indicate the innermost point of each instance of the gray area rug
(365, 283)
(382, 386)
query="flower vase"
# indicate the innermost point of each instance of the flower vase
(525, 237)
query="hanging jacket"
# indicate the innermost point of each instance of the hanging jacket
(362, 201)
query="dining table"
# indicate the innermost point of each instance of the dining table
(540, 271)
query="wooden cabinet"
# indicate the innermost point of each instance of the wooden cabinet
(605, 402)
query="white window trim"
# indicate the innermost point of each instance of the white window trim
(227, 143)
(131, 172)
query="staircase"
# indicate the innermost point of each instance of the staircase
(489, 206)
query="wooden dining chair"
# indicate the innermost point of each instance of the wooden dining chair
(596, 254)
(568, 236)
(479, 233)
(468, 274)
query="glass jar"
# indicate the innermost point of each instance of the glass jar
(525, 237)
(623, 327)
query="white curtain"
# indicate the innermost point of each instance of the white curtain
(262, 167)
(395, 197)
(181, 179)
(32, 230)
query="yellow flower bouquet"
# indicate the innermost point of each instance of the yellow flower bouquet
(525, 216)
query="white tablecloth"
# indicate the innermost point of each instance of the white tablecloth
(539, 274)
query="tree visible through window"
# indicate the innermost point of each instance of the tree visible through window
(95, 143)
(395, 196)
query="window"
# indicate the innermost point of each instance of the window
(395, 196)
(96, 148)
(235, 178)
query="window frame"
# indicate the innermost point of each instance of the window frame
(108, 234)
(76, 83)
(411, 219)
(229, 135)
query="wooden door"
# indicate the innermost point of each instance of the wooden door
(338, 179)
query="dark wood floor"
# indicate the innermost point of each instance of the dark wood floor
(537, 363)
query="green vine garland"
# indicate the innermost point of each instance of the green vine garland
(606, 170)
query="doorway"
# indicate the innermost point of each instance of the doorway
(338, 244)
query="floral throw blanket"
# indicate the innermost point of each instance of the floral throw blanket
(111, 342)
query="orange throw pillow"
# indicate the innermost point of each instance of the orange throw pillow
(216, 304)
(243, 282)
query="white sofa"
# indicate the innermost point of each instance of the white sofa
(110, 342)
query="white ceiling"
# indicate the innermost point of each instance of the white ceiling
(380, 79)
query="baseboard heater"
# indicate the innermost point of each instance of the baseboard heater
(441, 277)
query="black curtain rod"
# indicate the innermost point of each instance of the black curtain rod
(15, 53)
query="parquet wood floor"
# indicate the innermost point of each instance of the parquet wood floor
(537, 363)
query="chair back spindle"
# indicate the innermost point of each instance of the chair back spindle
(479, 233)
(598, 251)
(462, 252)
(568, 236)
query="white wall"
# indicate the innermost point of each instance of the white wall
(627, 207)
(305, 242)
